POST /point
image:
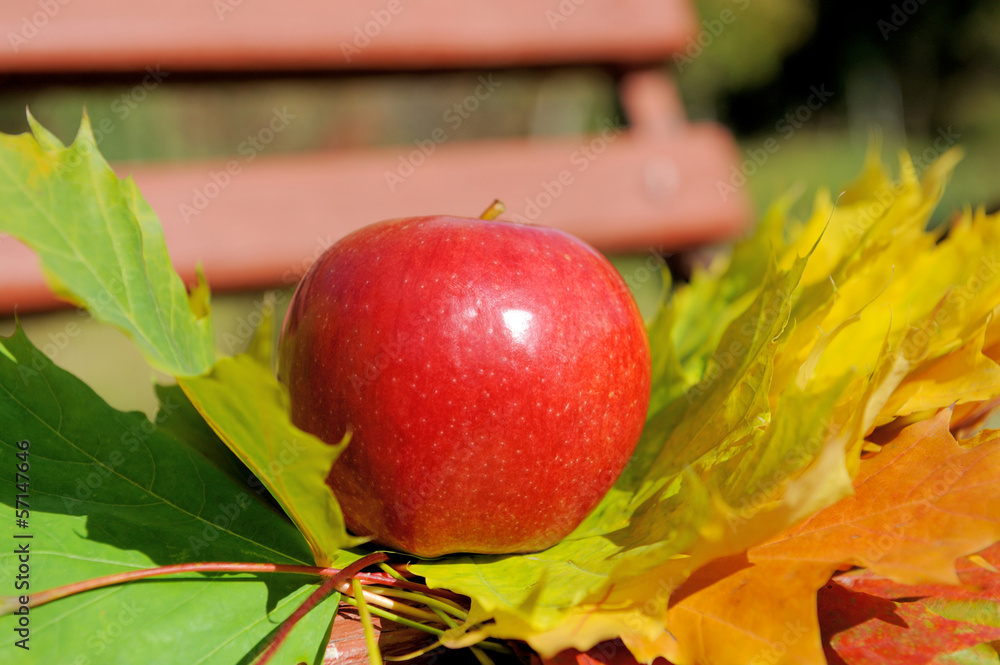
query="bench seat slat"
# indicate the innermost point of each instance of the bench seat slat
(274, 215)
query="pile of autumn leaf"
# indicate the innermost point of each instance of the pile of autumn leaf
(812, 484)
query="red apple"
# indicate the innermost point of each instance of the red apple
(495, 377)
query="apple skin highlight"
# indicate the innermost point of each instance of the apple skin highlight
(495, 378)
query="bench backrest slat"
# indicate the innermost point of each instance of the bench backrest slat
(241, 35)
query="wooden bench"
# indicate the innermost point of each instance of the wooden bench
(649, 186)
(256, 224)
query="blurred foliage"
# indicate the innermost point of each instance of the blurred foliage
(906, 71)
(196, 117)
(740, 44)
(908, 66)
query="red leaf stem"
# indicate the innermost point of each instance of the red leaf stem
(325, 589)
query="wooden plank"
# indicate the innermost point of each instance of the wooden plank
(119, 35)
(347, 641)
(258, 224)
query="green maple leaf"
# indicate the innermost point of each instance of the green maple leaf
(109, 492)
(101, 245)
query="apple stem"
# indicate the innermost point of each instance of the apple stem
(433, 603)
(496, 647)
(374, 655)
(389, 604)
(317, 596)
(392, 570)
(480, 655)
(495, 210)
(398, 618)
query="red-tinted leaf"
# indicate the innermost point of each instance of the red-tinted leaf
(862, 629)
(606, 653)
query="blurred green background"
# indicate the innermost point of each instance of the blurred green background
(907, 71)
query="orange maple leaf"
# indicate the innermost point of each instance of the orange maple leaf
(979, 574)
(919, 504)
